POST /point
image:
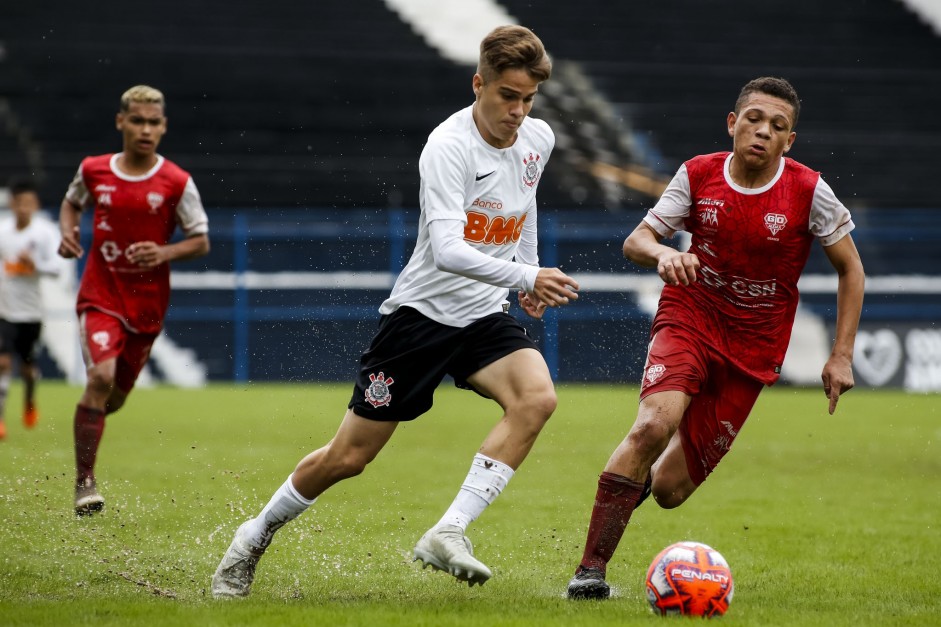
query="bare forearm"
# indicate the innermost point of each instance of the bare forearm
(69, 216)
(849, 305)
(643, 247)
(189, 248)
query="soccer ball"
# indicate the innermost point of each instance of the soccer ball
(691, 579)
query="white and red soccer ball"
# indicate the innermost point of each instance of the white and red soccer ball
(690, 579)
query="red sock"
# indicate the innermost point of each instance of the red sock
(89, 425)
(615, 501)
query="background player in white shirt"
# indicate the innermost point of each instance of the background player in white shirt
(27, 251)
(446, 315)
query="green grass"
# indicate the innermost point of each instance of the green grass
(825, 520)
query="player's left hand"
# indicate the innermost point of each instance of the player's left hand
(837, 379)
(531, 305)
(146, 254)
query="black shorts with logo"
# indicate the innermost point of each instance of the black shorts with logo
(20, 338)
(411, 354)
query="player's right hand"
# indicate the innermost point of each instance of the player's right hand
(678, 268)
(70, 248)
(554, 288)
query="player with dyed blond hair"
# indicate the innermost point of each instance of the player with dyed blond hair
(726, 311)
(139, 198)
(447, 315)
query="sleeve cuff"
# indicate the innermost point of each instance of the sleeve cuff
(529, 278)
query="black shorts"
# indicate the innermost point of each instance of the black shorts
(20, 338)
(411, 354)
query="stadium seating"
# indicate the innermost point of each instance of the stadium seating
(328, 104)
(280, 104)
(869, 76)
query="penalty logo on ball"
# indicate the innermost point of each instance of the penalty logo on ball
(690, 579)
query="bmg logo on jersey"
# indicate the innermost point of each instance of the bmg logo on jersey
(775, 222)
(497, 230)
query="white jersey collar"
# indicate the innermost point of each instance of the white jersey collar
(124, 176)
(748, 190)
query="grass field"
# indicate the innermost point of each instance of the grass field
(825, 520)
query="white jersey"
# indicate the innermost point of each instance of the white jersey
(490, 193)
(19, 285)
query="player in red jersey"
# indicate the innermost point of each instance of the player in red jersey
(139, 199)
(726, 311)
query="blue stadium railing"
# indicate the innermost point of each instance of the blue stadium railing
(250, 311)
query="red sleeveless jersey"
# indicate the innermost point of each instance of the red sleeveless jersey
(752, 249)
(128, 210)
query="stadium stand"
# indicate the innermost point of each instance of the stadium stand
(868, 72)
(328, 104)
(274, 104)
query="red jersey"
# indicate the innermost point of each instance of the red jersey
(752, 246)
(131, 209)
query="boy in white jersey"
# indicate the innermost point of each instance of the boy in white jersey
(27, 251)
(447, 315)
(725, 313)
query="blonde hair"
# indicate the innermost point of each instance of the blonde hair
(513, 47)
(142, 94)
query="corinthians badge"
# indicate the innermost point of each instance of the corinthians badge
(378, 394)
(531, 170)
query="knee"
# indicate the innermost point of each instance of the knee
(651, 436)
(544, 402)
(346, 464)
(100, 382)
(536, 407)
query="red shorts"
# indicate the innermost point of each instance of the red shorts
(104, 337)
(722, 396)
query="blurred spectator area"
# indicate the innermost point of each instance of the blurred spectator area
(327, 104)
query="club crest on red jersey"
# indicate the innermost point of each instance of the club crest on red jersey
(654, 372)
(154, 199)
(531, 170)
(378, 394)
(775, 222)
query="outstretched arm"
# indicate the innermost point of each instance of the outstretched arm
(837, 373)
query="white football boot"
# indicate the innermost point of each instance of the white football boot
(447, 548)
(236, 571)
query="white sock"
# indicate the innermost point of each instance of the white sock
(484, 483)
(285, 505)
